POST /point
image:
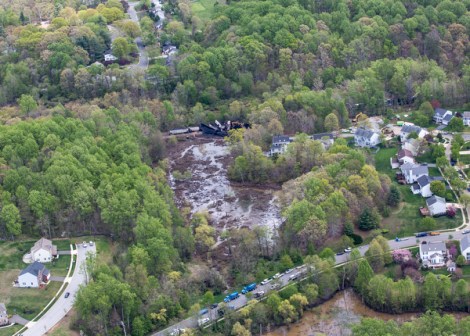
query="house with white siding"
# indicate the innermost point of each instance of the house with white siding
(366, 138)
(411, 172)
(35, 275)
(466, 118)
(436, 205)
(433, 254)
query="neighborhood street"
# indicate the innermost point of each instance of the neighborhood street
(284, 279)
(63, 305)
(143, 57)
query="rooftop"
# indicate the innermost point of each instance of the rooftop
(464, 243)
(35, 268)
(404, 152)
(364, 133)
(410, 129)
(433, 247)
(423, 180)
(435, 199)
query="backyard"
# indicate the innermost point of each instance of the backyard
(27, 302)
(203, 9)
(10, 330)
(405, 220)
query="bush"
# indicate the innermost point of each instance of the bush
(356, 239)
(461, 261)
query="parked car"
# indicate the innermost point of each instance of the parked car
(466, 231)
(259, 294)
(434, 233)
(340, 253)
(203, 311)
(288, 271)
(203, 321)
(275, 285)
(421, 234)
(214, 305)
(277, 275)
(67, 294)
(91, 243)
(294, 277)
(348, 249)
(84, 244)
(265, 281)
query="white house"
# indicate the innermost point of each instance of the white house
(411, 172)
(436, 205)
(34, 275)
(407, 129)
(466, 118)
(3, 315)
(366, 138)
(43, 251)
(110, 58)
(433, 254)
(279, 144)
(405, 156)
(422, 186)
(465, 247)
(412, 145)
(442, 116)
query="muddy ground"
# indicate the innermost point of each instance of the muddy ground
(207, 188)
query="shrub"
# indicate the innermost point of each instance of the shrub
(356, 238)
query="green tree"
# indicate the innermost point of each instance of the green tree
(430, 293)
(375, 256)
(369, 219)
(327, 253)
(10, 217)
(461, 261)
(286, 262)
(27, 104)
(456, 125)
(438, 188)
(364, 274)
(427, 224)
(121, 48)
(331, 122)
(371, 326)
(394, 196)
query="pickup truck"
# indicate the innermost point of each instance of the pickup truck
(231, 297)
(249, 288)
(421, 234)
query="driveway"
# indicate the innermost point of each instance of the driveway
(18, 320)
(64, 252)
(57, 278)
(143, 57)
(62, 306)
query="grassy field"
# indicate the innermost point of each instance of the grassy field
(203, 9)
(10, 330)
(465, 159)
(405, 220)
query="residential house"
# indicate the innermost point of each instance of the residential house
(405, 156)
(43, 251)
(411, 172)
(433, 254)
(466, 118)
(436, 205)
(279, 144)
(451, 266)
(413, 145)
(407, 129)
(442, 116)
(465, 247)
(422, 186)
(110, 58)
(3, 315)
(34, 275)
(327, 139)
(366, 138)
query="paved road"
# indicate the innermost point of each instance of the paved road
(62, 306)
(284, 279)
(143, 57)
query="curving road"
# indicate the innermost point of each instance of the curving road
(63, 305)
(143, 57)
(284, 279)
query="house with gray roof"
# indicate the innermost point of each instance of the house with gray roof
(433, 254)
(465, 246)
(442, 116)
(466, 118)
(327, 139)
(412, 145)
(35, 275)
(407, 129)
(3, 315)
(368, 138)
(411, 172)
(423, 184)
(279, 144)
(436, 205)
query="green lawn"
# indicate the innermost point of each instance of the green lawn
(465, 159)
(404, 221)
(10, 330)
(382, 161)
(203, 9)
(434, 171)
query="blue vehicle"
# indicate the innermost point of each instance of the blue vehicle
(249, 288)
(231, 297)
(421, 234)
(203, 311)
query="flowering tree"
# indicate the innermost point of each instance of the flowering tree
(451, 212)
(453, 252)
(400, 256)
